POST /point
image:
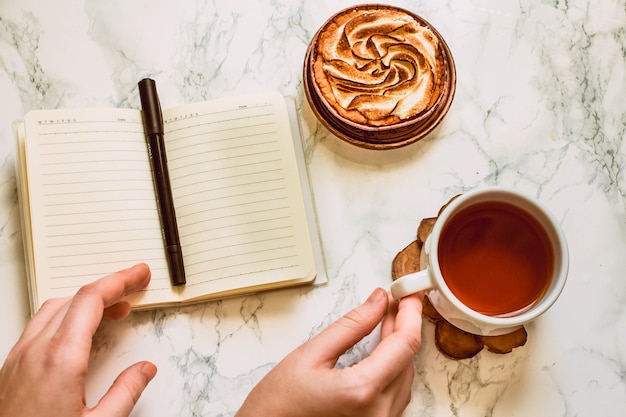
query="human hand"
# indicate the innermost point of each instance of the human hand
(307, 384)
(45, 372)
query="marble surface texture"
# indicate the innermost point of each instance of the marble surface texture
(539, 106)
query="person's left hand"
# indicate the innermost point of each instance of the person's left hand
(45, 372)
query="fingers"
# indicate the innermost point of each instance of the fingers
(409, 320)
(396, 350)
(117, 311)
(44, 316)
(389, 321)
(87, 306)
(125, 391)
(400, 391)
(341, 335)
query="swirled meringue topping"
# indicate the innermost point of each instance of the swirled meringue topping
(378, 66)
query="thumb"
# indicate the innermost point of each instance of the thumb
(344, 333)
(125, 391)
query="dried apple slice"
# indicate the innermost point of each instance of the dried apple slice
(506, 342)
(406, 261)
(426, 225)
(456, 343)
(424, 229)
(446, 205)
(430, 311)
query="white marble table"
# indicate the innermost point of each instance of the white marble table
(539, 106)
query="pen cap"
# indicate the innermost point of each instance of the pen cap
(153, 119)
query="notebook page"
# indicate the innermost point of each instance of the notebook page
(92, 203)
(237, 194)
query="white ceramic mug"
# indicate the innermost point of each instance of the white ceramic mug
(431, 278)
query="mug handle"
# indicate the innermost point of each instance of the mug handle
(412, 283)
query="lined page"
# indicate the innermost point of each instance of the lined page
(92, 203)
(237, 194)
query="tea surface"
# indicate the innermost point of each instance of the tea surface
(496, 258)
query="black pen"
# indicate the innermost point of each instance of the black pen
(153, 126)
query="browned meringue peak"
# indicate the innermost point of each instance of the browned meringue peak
(378, 66)
(375, 22)
(347, 82)
(373, 108)
(421, 38)
(404, 86)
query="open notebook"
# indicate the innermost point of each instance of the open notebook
(242, 198)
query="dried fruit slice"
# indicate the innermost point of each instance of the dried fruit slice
(456, 343)
(424, 229)
(430, 311)
(406, 261)
(446, 205)
(506, 342)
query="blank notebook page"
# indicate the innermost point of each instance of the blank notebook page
(92, 203)
(237, 194)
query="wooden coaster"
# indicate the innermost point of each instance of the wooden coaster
(450, 340)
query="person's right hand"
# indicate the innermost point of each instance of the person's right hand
(307, 384)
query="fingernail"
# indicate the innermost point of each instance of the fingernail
(378, 296)
(143, 266)
(148, 370)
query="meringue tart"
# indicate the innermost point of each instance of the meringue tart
(379, 76)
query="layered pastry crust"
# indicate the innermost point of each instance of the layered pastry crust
(379, 66)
